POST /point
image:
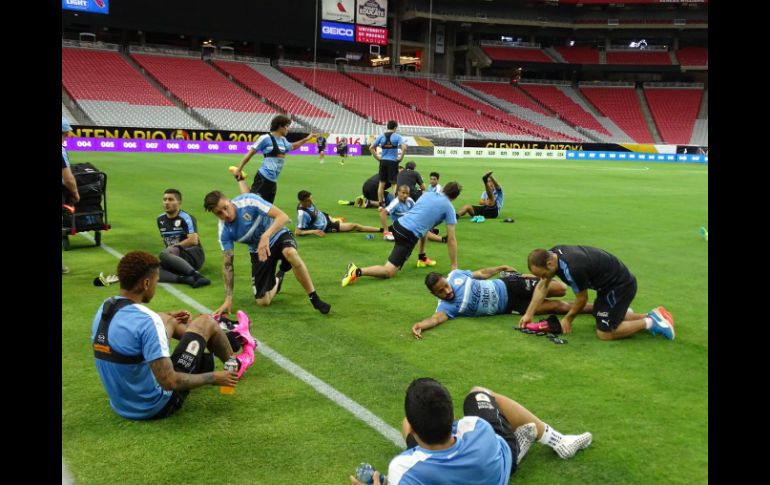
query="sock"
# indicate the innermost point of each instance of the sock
(188, 280)
(279, 275)
(550, 437)
(382, 230)
(319, 304)
(358, 272)
(648, 322)
(444, 239)
(421, 256)
(351, 202)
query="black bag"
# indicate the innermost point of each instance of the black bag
(91, 184)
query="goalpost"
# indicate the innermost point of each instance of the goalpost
(428, 140)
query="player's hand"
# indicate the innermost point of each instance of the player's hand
(225, 378)
(319, 233)
(75, 198)
(377, 479)
(505, 267)
(566, 325)
(224, 308)
(417, 331)
(181, 316)
(263, 249)
(525, 319)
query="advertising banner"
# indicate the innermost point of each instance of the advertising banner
(372, 12)
(338, 10)
(184, 146)
(335, 31)
(92, 6)
(371, 35)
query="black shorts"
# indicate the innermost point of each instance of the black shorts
(263, 272)
(488, 211)
(370, 195)
(264, 188)
(331, 226)
(193, 255)
(343, 152)
(188, 357)
(520, 289)
(485, 406)
(388, 171)
(610, 306)
(405, 241)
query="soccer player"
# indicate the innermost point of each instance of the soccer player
(184, 255)
(368, 199)
(391, 142)
(274, 146)
(143, 379)
(397, 208)
(474, 294)
(412, 179)
(312, 221)
(251, 220)
(491, 200)
(483, 447)
(584, 268)
(427, 212)
(434, 186)
(321, 144)
(342, 149)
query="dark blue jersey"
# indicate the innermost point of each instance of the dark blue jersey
(175, 230)
(584, 267)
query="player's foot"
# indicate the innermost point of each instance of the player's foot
(233, 169)
(243, 332)
(350, 275)
(541, 326)
(662, 323)
(345, 202)
(279, 280)
(388, 236)
(435, 231)
(320, 305)
(424, 263)
(526, 434)
(572, 443)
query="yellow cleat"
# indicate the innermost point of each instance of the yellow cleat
(233, 169)
(350, 275)
(424, 263)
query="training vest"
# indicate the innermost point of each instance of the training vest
(101, 343)
(275, 152)
(387, 143)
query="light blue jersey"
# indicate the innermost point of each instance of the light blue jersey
(132, 388)
(65, 161)
(430, 210)
(479, 456)
(436, 188)
(251, 221)
(304, 221)
(396, 208)
(389, 153)
(271, 166)
(498, 193)
(472, 297)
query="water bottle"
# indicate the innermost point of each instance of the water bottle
(369, 237)
(231, 365)
(365, 474)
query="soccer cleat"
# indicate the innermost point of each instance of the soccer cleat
(662, 323)
(320, 305)
(233, 169)
(242, 329)
(64, 270)
(541, 326)
(526, 434)
(388, 236)
(424, 263)
(200, 281)
(571, 444)
(107, 280)
(69, 208)
(359, 202)
(350, 275)
(344, 202)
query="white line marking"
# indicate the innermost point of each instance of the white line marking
(334, 395)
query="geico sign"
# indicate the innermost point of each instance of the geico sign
(337, 31)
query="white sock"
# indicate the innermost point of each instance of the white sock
(648, 322)
(550, 437)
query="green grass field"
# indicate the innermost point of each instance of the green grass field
(644, 399)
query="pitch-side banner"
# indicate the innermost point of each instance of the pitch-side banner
(338, 10)
(372, 12)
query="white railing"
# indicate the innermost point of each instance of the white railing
(484, 79)
(318, 65)
(100, 46)
(625, 48)
(163, 50)
(529, 45)
(673, 85)
(241, 58)
(606, 84)
(425, 75)
(551, 82)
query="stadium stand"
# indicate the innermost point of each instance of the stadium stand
(693, 56)
(112, 93)
(208, 92)
(674, 111)
(622, 107)
(656, 58)
(558, 102)
(66, 113)
(523, 54)
(578, 55)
